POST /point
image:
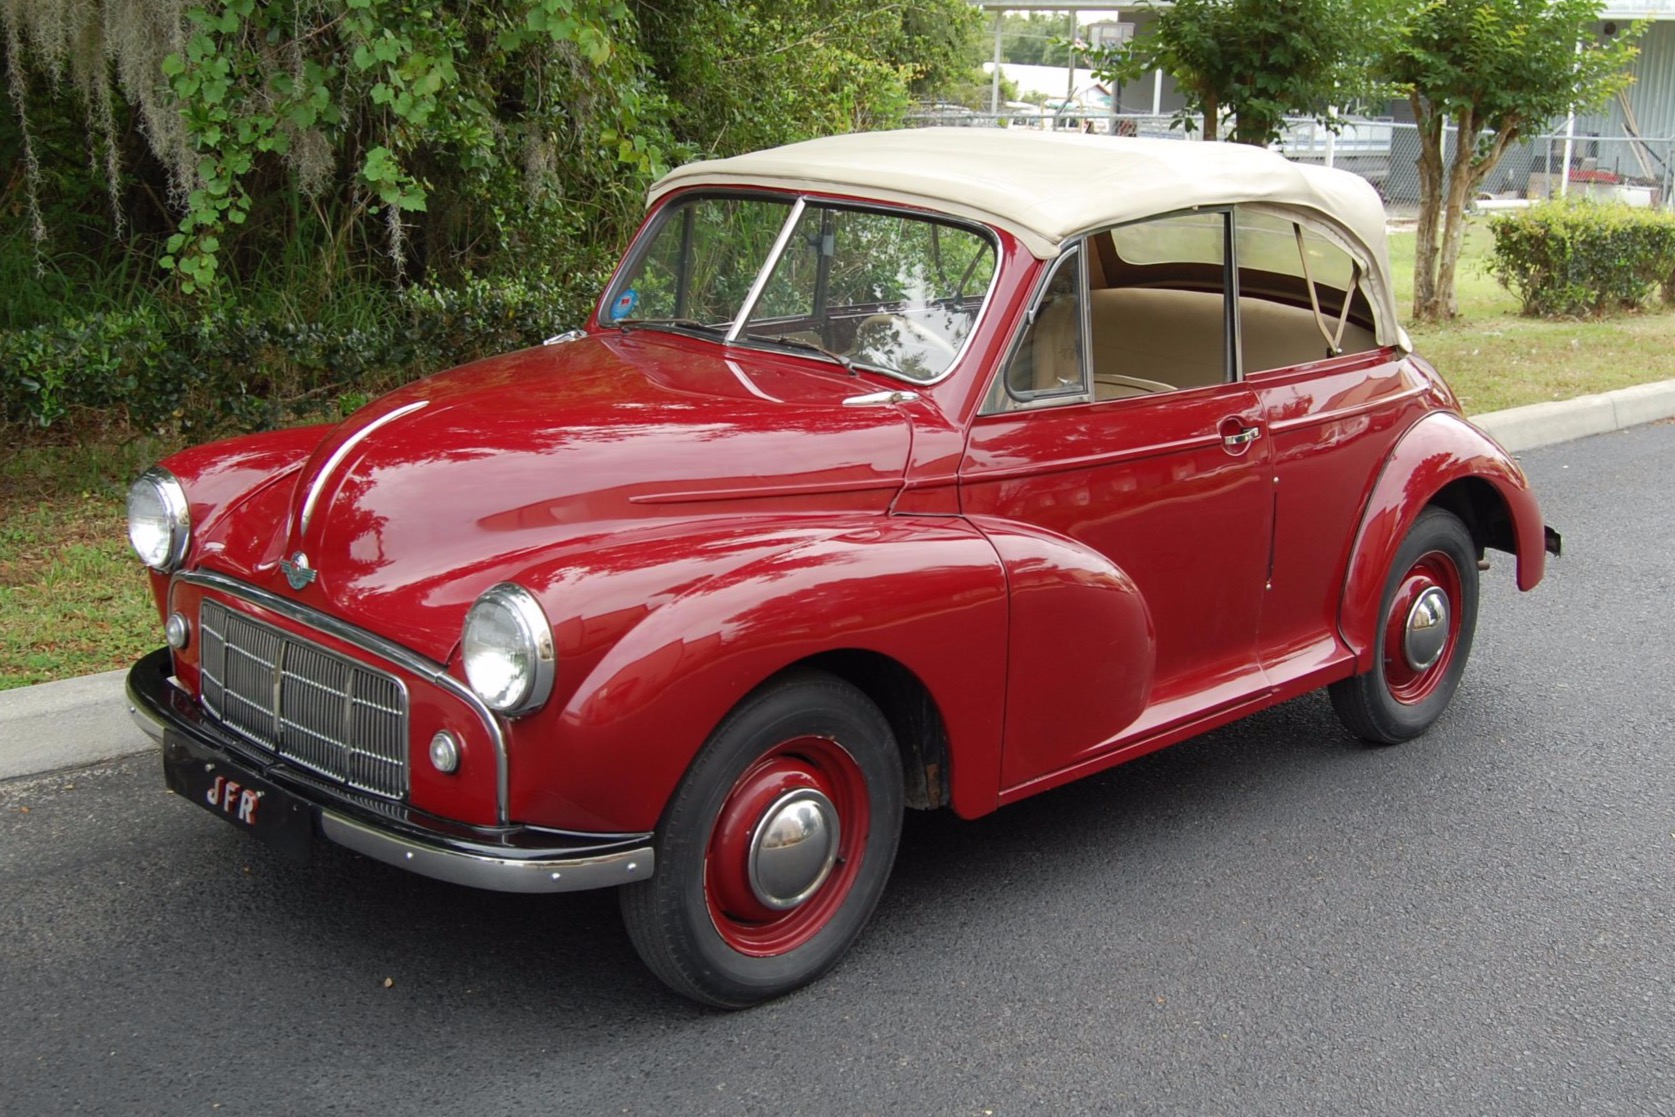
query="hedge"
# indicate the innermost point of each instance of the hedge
(1578, 257)
(176, 368)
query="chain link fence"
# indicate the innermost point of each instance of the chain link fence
(1635, 171)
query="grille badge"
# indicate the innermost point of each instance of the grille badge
(297, 571)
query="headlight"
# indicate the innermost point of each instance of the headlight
(159, 526)
(508, 650)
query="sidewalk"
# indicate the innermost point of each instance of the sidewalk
(83, 721)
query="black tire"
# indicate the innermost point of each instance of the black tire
(691, 922)
(1397, 700)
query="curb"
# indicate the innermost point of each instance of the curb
(1543, 424)
(67, 724)
(75, 722)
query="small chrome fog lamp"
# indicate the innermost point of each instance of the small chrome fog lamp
(444, 752)
(178, 631)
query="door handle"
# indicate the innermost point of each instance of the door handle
(1241, 438)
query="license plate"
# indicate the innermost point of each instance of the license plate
(236, 795)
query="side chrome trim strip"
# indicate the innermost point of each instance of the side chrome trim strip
(342, 452)
(409, 660)
(498, 874)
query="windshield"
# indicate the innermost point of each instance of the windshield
(885, 290)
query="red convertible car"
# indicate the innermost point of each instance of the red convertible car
(904, 470)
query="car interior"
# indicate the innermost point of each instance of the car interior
(1156, 303)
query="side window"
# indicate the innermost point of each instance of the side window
(1299, 294)
(1158, 309)
(1049, 360)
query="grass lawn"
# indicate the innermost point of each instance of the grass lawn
(1494, 359)
(73, 597)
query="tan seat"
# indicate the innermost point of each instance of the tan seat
(1279, 336)
(1167, 337)
(1174, 338)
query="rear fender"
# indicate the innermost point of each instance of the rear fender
(928, 593)
(1438, 451)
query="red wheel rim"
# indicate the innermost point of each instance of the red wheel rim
(744, 922)
(1407, 683)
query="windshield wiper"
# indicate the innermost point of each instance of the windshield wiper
(627, 324)
(811, 346)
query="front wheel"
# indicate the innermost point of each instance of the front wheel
(775, 848)
(1427, 617)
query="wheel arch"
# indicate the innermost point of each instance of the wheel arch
(1441, 460)
(1484, 511)
(910, 708)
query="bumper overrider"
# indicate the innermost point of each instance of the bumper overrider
(288, 807)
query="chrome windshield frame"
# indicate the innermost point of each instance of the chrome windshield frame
(766, 271)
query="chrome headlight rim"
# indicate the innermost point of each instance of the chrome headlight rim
(536, 637)
(175, 518)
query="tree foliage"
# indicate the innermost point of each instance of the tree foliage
(1032, 38)
(1254, 62)
(747, 74)
(293, 176)
(1495, 70)
(396, 138)
(388, 137)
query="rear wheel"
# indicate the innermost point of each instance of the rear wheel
(775, 847)
(1427, 617)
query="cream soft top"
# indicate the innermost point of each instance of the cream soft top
(1045, 187)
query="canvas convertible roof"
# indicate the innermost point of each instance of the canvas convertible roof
(1044, 187)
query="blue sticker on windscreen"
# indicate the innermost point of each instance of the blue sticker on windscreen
(625, 304)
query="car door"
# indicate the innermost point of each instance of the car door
(1171, 483)
(1336, 401)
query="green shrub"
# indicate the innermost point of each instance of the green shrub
(99, 361)
(1573, 258)
(175, 368)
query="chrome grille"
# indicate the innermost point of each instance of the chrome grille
(312, 707)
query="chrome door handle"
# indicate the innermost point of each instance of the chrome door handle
(1245, 437)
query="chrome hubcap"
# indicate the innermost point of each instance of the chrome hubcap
(1427, 629)
(794, 848)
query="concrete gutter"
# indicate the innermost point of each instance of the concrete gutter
(83, 721)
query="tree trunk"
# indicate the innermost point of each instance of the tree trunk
(1211, 111)
(1430, 121)
(1466, 173)
(1444, 305)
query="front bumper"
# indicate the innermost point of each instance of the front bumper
(501, 858)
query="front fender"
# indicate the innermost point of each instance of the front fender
(1082, 650)
(1440, 449)
(927, 592)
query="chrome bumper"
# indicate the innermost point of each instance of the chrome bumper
(500, 859)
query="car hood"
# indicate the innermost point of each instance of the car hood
(414, 505)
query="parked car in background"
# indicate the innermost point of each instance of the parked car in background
(914, 470)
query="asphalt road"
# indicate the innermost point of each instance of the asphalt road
(1269, 919)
